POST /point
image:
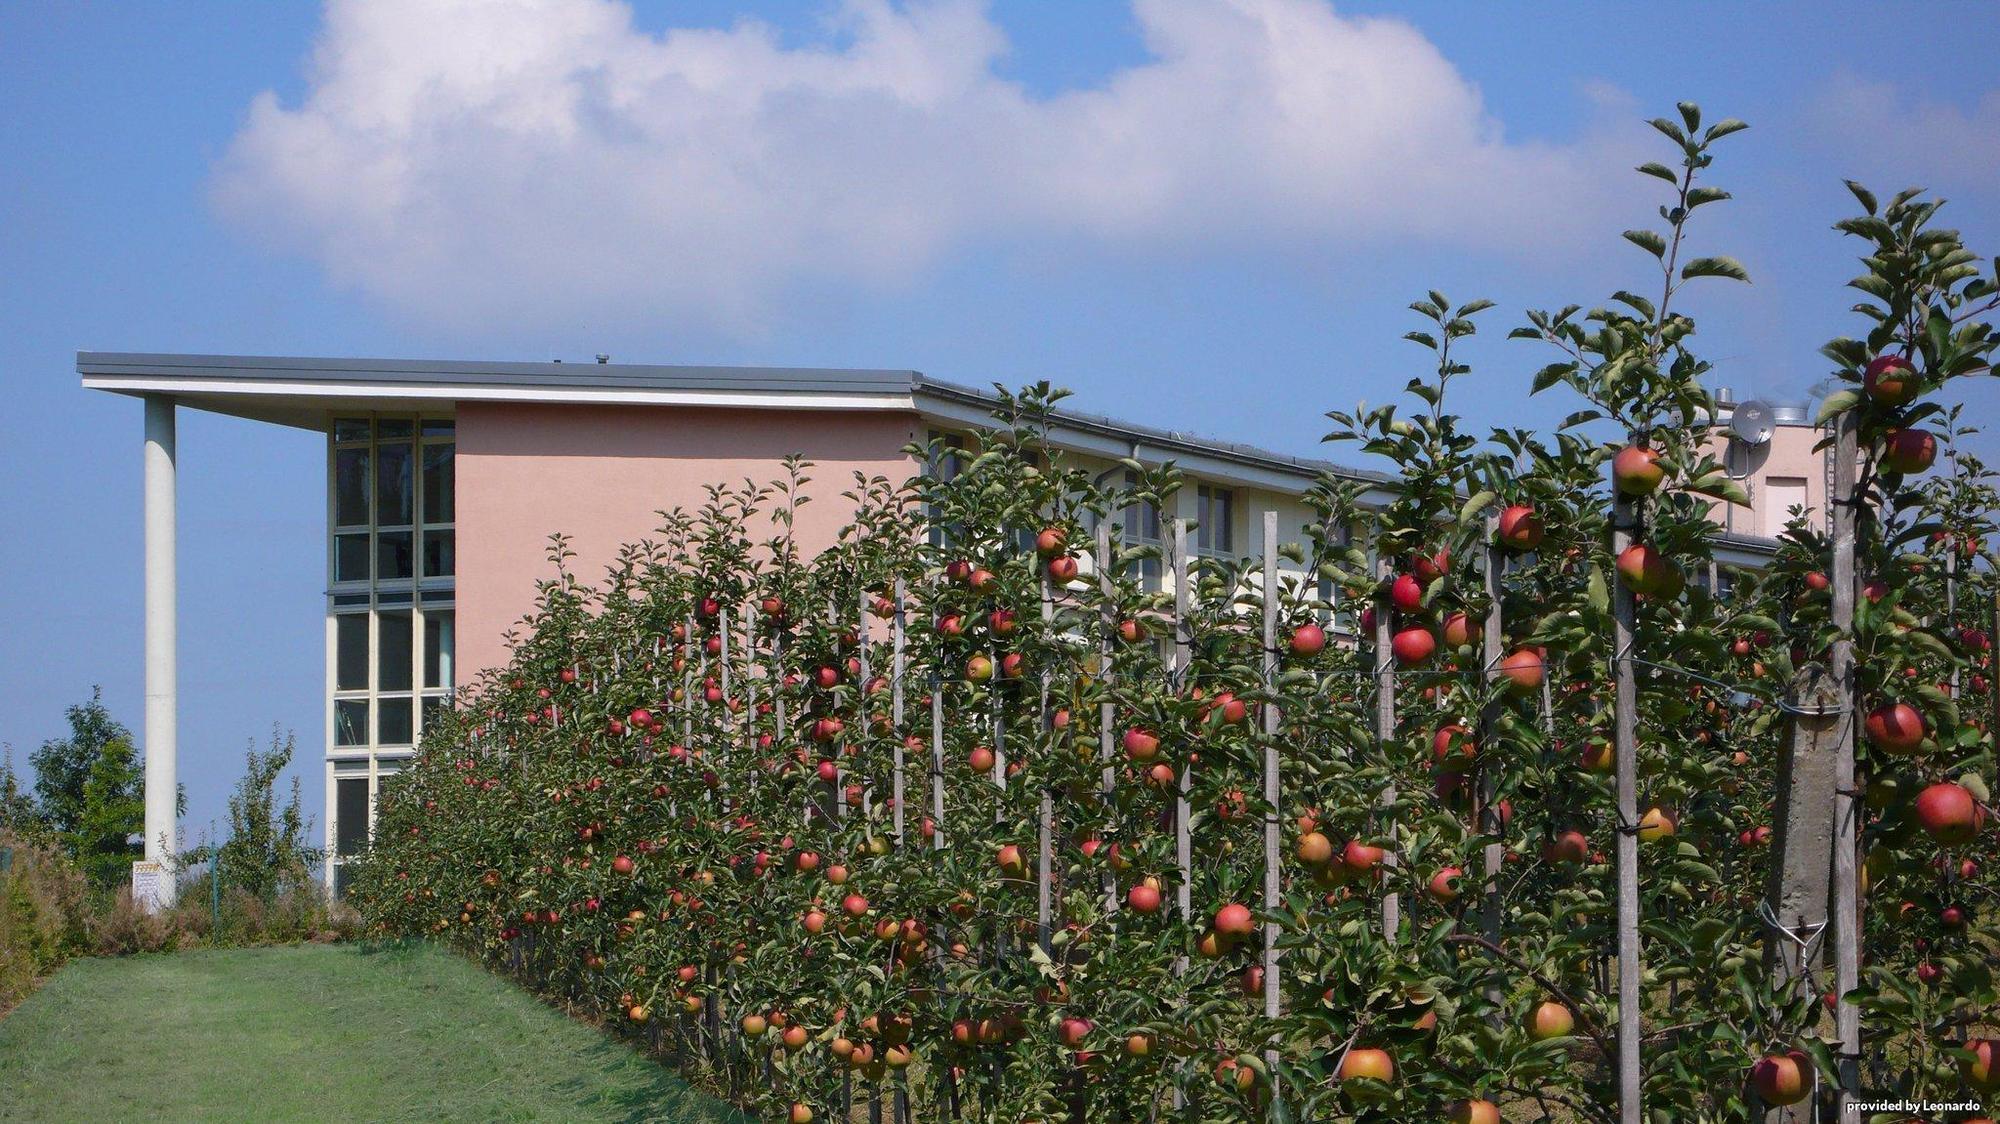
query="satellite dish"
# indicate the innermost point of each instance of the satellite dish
(1752, 422)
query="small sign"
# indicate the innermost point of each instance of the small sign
(149, 886)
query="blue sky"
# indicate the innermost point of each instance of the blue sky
(1201, 215)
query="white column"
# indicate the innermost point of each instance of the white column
(162, 789)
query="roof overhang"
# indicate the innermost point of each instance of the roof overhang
(307, 392)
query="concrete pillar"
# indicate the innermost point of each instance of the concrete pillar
(162, 782)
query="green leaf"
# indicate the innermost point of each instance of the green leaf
(1725, 127)
(1473, 506)
(1647, 240)
(1714, 267)
(1840, 401)
(1659, 171)
(1866, 197)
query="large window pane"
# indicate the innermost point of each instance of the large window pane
(438, 650)
(394, 427)
(392, 650)
(351, 652)
(350, 487)
(440, 557)
(350, 722)
(392, 555)
(438, 427)
(350, 558)
(438, 483)
(350, 429)
(350, 816)
(432, 707)
(393, 498)
(396, 720)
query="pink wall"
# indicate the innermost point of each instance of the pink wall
(598, 474)
(1784, 471)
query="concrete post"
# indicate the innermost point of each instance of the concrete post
(162, 783)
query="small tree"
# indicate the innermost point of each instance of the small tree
(17, 806)
(63, 765)
(267, 848)
(111, 816)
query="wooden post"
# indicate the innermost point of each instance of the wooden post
(1183, 657)
(1273, 893)
(1490, 906)
(897, 783)
(1800, 879)
(1045, 814)
(1385, 732)
(1847, 796)
(1107, 714)
(1625, 748)
(862, 717)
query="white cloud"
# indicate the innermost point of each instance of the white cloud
(479, 162)
(1891, 140)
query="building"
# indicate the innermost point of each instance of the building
(445, 479)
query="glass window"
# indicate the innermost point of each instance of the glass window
(438, 427)
(350, 722)
(438, 650)
(395, 718)
(1215, 515)
(392, 650)
(393, 500)
(342, 600)
(350, 429)
(341, 877)
(350, 558)
(392, 555)
(351, 652)
(1141, 520)
(433, 705)
(439, 556)
(350, 487)
(393, 597)
(438, 483)
(394, 427)
(350, 816)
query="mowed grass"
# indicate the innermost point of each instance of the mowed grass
(336, 1032)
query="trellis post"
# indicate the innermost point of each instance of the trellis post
(1272, 889)
(897, 783)
(1490, 906)
(1385, 731)
(1625, 749)
(1847, 797)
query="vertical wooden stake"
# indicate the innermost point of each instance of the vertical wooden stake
(1385, 733)
(1490, 906)
(1847, 796)
(1624, 520)
(1045, 814)
(1183, 657)
(863, 717)
(1107, 745)
(897, 783)
(1800, 878)
(1272, 888)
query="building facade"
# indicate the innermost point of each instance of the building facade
(445, 481)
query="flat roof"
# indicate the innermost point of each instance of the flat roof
(305, 392)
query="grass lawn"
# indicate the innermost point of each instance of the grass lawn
(334, 1033)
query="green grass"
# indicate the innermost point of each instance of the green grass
(333, 1033)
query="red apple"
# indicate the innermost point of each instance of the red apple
(1949, 813)
(1523, 669)
(1143, 898)
(1520, 528)
(623, 864)
(1908, 451)
(1474, 1112)
(1234, 920)
(1062, 569)
(1308, 640)
(1367, 1062)
(1550, 1019)
(1890, 380)
(1895, 728)
(1141, 745)
(1637, 471)
(1460, 630)
(1982, 1069)
(1650, 572)
(1444, 885)
(979, 669)
(1407, 593)
(1413, 646)
(1050, 541)
(1782, 1079)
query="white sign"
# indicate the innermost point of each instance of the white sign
(149, 886)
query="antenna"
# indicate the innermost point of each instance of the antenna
(1752, 422)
